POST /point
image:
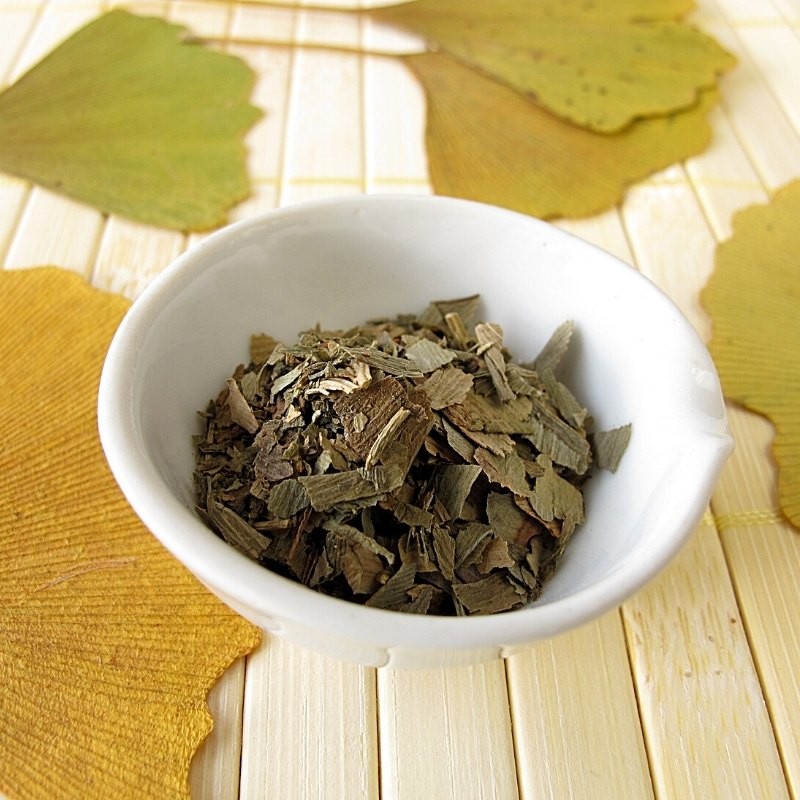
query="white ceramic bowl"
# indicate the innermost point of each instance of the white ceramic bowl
(634, 358)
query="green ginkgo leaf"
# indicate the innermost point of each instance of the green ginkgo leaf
(753, 297)
(487, 142)
(598, 63)
(131, 117)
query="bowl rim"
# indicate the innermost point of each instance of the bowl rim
(225, 570)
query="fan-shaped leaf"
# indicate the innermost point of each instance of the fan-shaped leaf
(487, 142)
(753, 297)
(128, 116)
(598, 63)
(109, 646)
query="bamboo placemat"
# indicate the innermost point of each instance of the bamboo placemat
(690, 690)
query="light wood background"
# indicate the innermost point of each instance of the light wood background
(691, 689)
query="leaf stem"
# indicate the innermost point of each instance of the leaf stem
(258, 41)
(300, 7)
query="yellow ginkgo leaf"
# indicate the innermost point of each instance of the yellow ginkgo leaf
(599, 64)
(486, 142)
(753, 297)
(131, 117)
(108, 645)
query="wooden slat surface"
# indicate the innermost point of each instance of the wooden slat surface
(691, 689)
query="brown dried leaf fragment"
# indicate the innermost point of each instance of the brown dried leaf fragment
(495, 556)
(261, 347)
(241, 413)
(421, 598)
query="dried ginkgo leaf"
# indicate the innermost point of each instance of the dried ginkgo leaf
(753, 297)
(109, 646)
(600, 64)
(488, 142)
(131, 117)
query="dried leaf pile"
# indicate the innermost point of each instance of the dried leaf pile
(407, 464)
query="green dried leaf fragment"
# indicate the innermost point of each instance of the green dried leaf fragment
(452, 484)
(394, 593)
(487, 413)
(385, 477)
(429, 356)
(490, 345)
(497, 443)
(236, 531)
(507, 470)
(249, 386)
(391, 365)
(508, 521)
(561, 442)
(467, 309)
(457, 330)
(489, 595)
(288, 498)
(412, 515)
(355, 538)
(444, 545)
(416, 549)
(469, 542)
(385, 403)
(329, 490)
(460, 443)
(555, 348)
(446, 387)
(422, 596)
(563, 400)
(386, 436)
(609, 447)
(555, 498)
(362, 570)
(286, 380)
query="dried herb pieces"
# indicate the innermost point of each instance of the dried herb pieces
(407, 464)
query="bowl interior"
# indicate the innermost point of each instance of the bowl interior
(634, 358)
